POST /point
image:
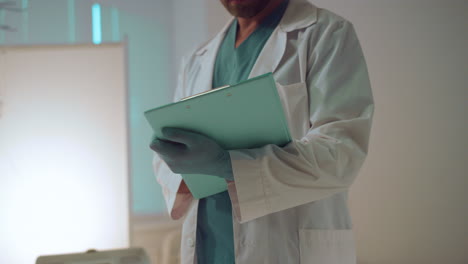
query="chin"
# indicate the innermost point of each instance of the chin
(244, 12)
(244, 8)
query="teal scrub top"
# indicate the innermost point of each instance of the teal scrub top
(215, 240)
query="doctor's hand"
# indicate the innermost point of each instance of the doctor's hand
(188, 152)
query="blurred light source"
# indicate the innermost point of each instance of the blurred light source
(97, 24)
(63, 151)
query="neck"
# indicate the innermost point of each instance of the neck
(248, 25)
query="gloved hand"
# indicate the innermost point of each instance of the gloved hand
(188, 152)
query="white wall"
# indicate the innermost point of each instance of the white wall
(409, 203)
(194, 23)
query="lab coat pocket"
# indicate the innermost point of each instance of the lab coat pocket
(327, 246)
(295, 101)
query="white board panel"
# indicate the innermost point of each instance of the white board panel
(63, 150)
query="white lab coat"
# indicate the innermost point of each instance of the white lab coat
(290, 203)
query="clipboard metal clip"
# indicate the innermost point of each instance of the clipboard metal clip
(202, 93)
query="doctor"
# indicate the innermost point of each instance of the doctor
(283, 205)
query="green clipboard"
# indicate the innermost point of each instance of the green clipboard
(242, 116)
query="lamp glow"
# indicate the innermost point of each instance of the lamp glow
(97, 24)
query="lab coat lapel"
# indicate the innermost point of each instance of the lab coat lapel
(207, 54)
(298, 14)
(271, 54)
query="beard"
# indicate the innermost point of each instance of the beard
(245, 8)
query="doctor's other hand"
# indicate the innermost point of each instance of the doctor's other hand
(187, 152)
(183, 188)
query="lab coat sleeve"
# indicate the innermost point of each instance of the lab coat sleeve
(327, 159)
(176, 203)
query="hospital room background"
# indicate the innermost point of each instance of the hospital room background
(75, 166)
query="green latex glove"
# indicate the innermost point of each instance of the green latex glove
(187, 152)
